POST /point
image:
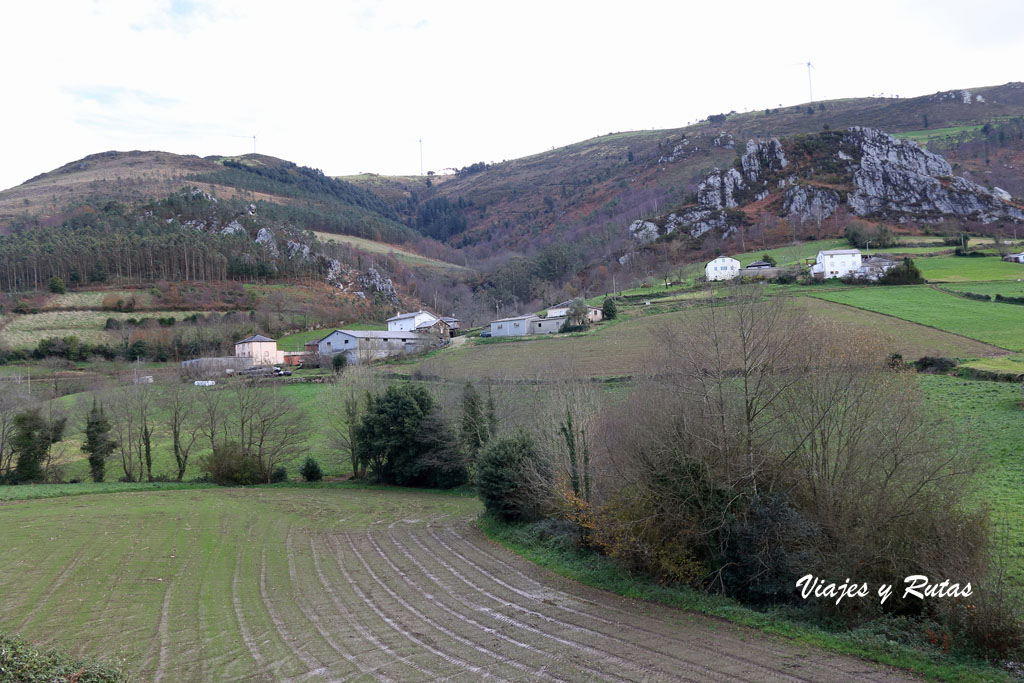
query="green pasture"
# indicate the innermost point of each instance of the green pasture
(307, 398)
(1001, 325)
(990, 419)
(1011, 365)
(969, 269)
(636, 345)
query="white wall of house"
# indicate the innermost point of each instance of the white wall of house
(594, 314)
(548, 325)
(410, 321)
(511, 327)
(722, 268)
(836, 263)
(261, 352)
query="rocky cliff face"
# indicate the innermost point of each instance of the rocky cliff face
(885, 178)
(896, 179)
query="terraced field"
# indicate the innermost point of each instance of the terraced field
(25, 331)
(339, 584)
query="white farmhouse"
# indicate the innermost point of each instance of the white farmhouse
(594, 314)
(365, 346)
(406, 322)
(835, 263)
(262, 350)
(722, 268)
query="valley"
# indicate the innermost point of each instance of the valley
(323, 514)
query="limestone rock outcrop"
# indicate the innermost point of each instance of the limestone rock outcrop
(805, 203)
(896, 179)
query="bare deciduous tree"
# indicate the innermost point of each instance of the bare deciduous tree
(184, 420)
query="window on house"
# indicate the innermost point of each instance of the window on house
(516, 324)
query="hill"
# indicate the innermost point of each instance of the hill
(575, 203)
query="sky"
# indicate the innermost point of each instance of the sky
(353, 86)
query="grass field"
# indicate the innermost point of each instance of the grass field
(403, 255)
(1012, 364)
(999, 324)
(25, 331)
(989, 417)
(966, 269)
(628, 347)
(306, 397)
(1006, 288)
(37, 491)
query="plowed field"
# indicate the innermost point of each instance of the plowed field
(320, 584)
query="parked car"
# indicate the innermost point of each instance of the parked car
(485, 333)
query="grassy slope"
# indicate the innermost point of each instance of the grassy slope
(992, 323)
(25, 331)
(626, 347)
(989, 416)
(308, 398)
(403, 255)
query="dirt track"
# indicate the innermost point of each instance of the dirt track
(419, 601)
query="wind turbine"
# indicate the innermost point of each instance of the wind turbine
(248, 136)
(810, 66)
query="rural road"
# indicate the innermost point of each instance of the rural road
(419, 601)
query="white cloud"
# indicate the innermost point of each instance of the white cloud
(352, 86)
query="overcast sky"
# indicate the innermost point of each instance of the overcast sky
(353, 86)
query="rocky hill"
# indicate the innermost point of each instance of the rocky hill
(807, 178)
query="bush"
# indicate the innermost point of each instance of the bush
(19, 661)
(228, 465)
(310, 470)
(905, 273)
(57, 285)
(338, 362)
(935, 364)
(279, 475)
(609, 309)
(1010, 299)
(506, 474)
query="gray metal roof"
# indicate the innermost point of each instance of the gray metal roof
(518, 317)
(378, 334)
(255, 338)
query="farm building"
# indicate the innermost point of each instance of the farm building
(722, 268)
(262, 350)
(874, 267)
(364, 346)
(420, 321)
(549, 325)
(834, 263)
(1015, 258)
(758, 265)
(594, 314)
(512, 327)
